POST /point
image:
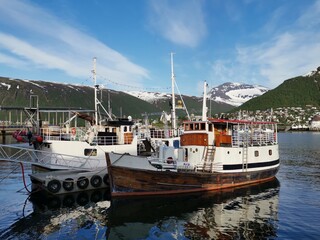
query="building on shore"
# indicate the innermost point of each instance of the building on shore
(315, 123)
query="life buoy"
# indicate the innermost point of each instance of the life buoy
(96, 181)
(170, 160)
(82, 182)
(68, 184)
(54, 186)
(73, 131)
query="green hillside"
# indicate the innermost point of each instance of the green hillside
(17, 93)
(296, 92)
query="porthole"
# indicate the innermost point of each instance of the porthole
(239, 152)
(270, 152)
(90, 152)
(256, 153)
(228, 152)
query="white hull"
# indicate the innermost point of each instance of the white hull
(73, 149)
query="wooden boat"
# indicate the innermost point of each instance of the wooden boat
(214, 154)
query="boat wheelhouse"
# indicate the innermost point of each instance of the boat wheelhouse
(230, 145)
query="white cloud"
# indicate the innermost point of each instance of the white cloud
(280, 57)
(181, 22)
(12, 61)
(43, 41)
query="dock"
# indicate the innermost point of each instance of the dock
(72, 177)
(70, 181)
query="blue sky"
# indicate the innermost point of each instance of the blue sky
(250, 41)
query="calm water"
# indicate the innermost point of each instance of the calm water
(287, 208)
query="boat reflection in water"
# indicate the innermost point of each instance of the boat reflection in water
(80, 215)
(243, 213)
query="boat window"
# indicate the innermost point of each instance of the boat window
(256, 153)
(270, 152)
(202, 126)
(210, 127)
(197, 126)
(186, 155)
(114, 130)
(125, 129)
(90, 152)
(191, 126)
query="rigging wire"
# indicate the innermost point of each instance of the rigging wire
(8, 174)
(185, 107)
(133, 87)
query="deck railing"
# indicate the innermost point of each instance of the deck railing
(29, 155)
(255, 138)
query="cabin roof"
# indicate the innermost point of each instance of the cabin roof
(232, 121)
(235, 121)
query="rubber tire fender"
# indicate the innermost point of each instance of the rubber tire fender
(96, 181)
(54, 186)
(82, 182)
(68, 184)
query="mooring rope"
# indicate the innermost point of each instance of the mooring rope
(8, 174)
(23, 178)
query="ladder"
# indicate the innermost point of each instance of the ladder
(245, 157)
(209, 158)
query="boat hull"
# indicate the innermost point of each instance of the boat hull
(125, 181)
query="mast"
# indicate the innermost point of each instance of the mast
(204, 104)
(173, 108)
(95, 91)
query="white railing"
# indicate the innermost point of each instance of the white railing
(256, 138)
(28, 155)
(62, 134)
(210, 167)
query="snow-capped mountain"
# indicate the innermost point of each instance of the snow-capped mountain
(313, 73)
(150, 97)
(235, 93)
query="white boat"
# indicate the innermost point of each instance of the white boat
(100, 136)
(108, 135)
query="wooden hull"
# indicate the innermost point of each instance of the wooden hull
(125, 181)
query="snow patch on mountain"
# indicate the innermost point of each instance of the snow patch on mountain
(312, 73)
(149, 96)
(236, 94)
